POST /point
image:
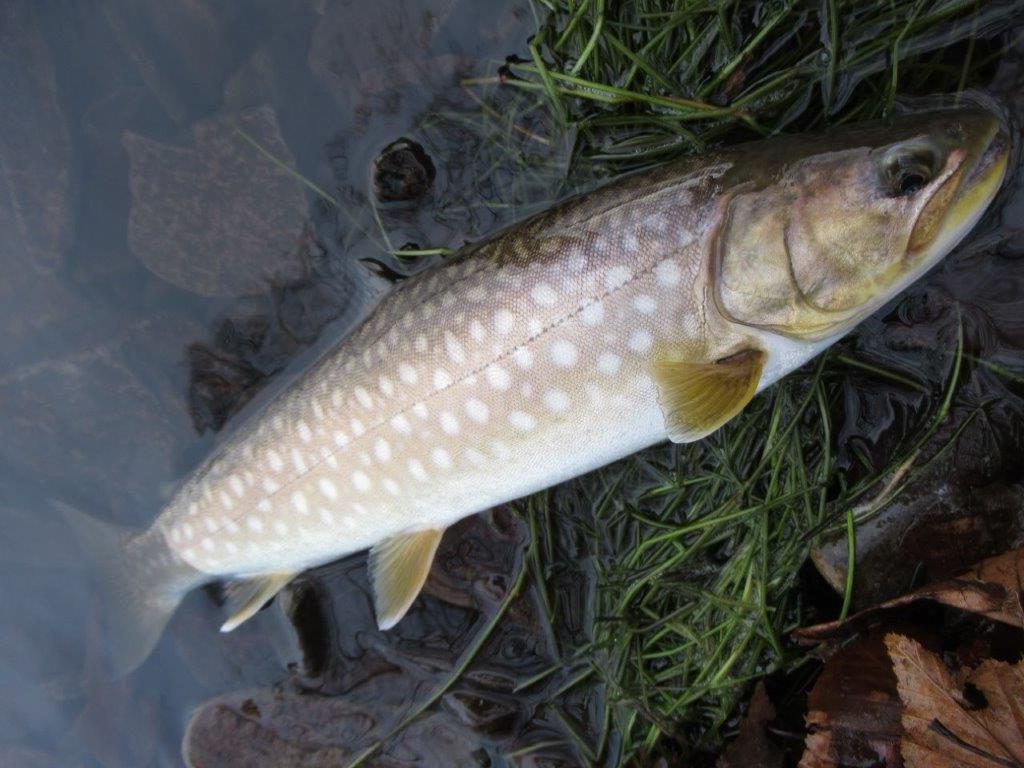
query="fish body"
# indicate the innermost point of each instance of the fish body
(653, 308)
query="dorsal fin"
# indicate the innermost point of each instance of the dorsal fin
(244, 597)
(398, 570)
(698, 398)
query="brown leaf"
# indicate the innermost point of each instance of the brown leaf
(752, 748)
(942, 728)
(222, 219)
(853, 715)
(992, 588)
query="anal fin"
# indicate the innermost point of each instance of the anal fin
(245, 597)
(698, 398)
(398, 570)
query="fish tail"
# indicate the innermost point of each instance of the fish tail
(139, 581)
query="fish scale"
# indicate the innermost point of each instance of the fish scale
(653, 308)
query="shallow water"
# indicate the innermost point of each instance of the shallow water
(158, 271)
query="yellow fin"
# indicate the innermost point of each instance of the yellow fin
(398, 570)
(698, 398)
(245, 597)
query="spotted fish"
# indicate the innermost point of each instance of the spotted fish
(653, 308)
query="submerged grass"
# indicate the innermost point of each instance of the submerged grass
(695, 551)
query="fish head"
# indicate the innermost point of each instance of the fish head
(827, 228)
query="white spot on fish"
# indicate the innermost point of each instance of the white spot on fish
(544, 295)
(564, 353)
(454, 348)
(299, 462)
(280, 527)
(382, 449)
(477, 293)
(609, 363)
(237, 486)
(645, 304)
(264, 505)
(498, 377)
(640, 341)
(275, 461)
(523, 357)
(254, 524)
(337, 398)
(328, 488)
(449, 423)
(421, 410)
(616, 277)
(361, 481)
(522, 421)
(208, 545)
(211, 524)
(226, 500)
(503, 321)
(668, 273)
(340, 439)
(556, 400)
(300, 503)
(416, 469)
(477, 411)
(364, 397)
(357, 427)
(407, 374)
(593, 313)
(305, 433)
(534, 327)
(476, 330)
(318, 410)
(193, 509)
(391, 486)
(630, 241)
(386, 386)
(401, 424)
(441, 378)
(420, 345)
(441, 458)
(270, 485)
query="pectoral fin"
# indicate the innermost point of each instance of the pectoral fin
(246, 596)
(398, 570)
(698, 398)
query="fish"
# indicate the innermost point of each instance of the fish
(653, 308)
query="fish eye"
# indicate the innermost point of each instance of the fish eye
(906, 170)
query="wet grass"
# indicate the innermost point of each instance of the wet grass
(696, 550)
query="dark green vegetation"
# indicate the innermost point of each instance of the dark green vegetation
(697, 551)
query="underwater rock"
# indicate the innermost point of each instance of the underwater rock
(222, 219)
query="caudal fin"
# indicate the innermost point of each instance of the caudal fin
(138, 582)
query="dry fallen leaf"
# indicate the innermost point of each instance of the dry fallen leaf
(992, 588)
(946, 728)
(853, 713)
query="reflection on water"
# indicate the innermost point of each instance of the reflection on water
(157, 269)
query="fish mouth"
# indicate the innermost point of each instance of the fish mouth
(974, 188)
